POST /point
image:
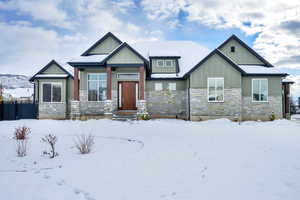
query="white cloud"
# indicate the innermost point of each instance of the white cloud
(277, 23)
(29, 45)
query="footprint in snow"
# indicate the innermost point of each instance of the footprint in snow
(76, 191)
(46, 176)
(60, 183)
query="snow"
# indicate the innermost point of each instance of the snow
(190, 52)
(91, 58)
(156, 159)
(164, 76)
(51, 75)
(259, 69)
(19, 92)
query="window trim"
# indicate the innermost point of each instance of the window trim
(131, 73)
(216, 101)
(260, 79)
(87, 86)
(51, 92)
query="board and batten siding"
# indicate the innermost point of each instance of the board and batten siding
(241, 55)
(215, 66)
(105, 47)
(125, 56)
(53, 69)
(274, 85)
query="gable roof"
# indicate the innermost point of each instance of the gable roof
(123, 45)
(234, 37)
(188, 53)
(52, 62)
(218, 52)
(109, 34)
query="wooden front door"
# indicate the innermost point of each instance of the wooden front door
(127, 95)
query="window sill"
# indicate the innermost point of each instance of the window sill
(260, 101)
(215, 101)
(62, 102)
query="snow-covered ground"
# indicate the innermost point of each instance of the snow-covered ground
(157, 159)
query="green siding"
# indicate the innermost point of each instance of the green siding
(180, 84)
(216, 66)
(241, 54)
(122, 70)
(158, 69)
(274, 85)
(125, 56)
(105, 47)
(53, 69)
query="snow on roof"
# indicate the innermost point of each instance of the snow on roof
(164, 76)
(92, 58)
(190, 52)
(287, 80)
(260, 69)
(51, 75)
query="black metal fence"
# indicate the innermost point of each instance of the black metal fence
(18, 110)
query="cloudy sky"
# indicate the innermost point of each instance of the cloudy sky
(32, 32)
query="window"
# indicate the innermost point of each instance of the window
(158, 86)
(215, 89)
(51, 92)
(172, 86)
(232, 49)
(96, 87)
(128, 76)
(169, 63)
(165, 63)
(260, 90)
(160, 63)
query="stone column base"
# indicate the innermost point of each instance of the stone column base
(142, 107)
(75, 110)
(108, 108)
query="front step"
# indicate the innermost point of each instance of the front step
(124, 117)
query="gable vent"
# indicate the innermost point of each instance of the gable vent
(232, 49)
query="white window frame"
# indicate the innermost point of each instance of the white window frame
(51, 95)
(87, 86)
(216, 101)
(259, 90)
(172, 63)
(170, 86)
(137, 76)
(157, 89)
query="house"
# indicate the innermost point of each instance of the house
(177, 79)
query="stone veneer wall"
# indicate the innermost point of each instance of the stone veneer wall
(201, 109)
(52, 110)
(262, 111)
(167, 103)
(90, 107)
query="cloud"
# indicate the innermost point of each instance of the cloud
(29, 44)
(276, 23)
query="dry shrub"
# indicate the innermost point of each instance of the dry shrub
(21, 133)
(84, 143)
(21, 148)
(51, 140)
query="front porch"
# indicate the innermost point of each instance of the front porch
(124, 91)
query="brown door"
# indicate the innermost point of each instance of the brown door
(128, 95)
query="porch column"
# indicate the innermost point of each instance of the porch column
(141, 82)
(76, 85)
(109, 83)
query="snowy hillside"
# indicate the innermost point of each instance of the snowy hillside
(16, 86)
(11, 81)
(154, 160)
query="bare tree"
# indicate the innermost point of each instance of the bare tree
(84, 143)
(51, 140)
(21, 133)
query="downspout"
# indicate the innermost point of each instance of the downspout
(38, 98)
(66, 98)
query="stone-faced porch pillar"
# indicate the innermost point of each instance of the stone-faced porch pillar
(108, 107)
(141, 104)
